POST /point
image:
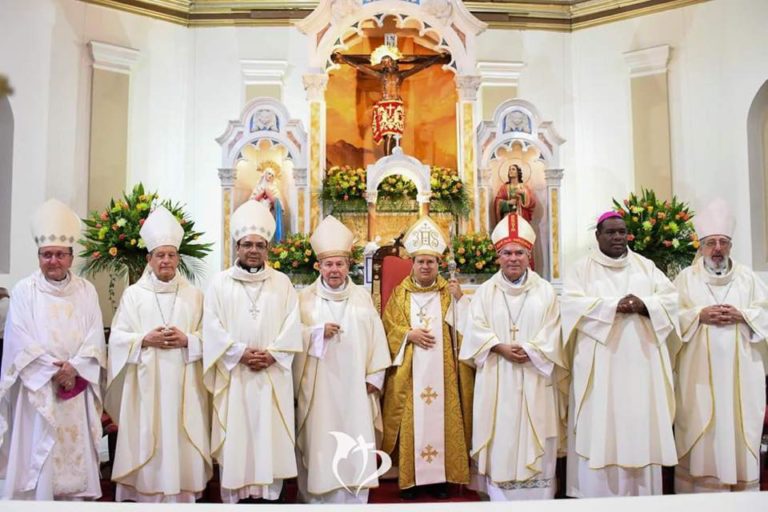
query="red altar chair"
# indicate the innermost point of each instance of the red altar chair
(389, 270)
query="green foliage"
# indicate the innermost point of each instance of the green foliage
(112, 244)
(344, 189)
(661, 231)
(474, 254)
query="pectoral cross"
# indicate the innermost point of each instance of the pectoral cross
(428, 453)
(424, 319)
(253, 310)
(514, 330)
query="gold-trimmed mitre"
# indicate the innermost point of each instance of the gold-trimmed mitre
(331, 238)
(425, 237)
(252, 218)
(513, 229)
(161, 228)
(385, 50)
(55, 223)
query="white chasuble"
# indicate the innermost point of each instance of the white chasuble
(335, 414)
(49, 445)
(519, 409)
(157, 396)
(721, 381)
(622, 397)
(253, 416)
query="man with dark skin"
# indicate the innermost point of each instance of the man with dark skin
(618, 312)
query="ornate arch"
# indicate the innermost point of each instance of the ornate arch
(263, 122)
(517, 127)
(454, 26)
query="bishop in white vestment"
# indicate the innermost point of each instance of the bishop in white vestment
(252, 330)
(618, 312)
(512, 336)
(722, 364)
(338, 377)
(53, 360)
(155, 391)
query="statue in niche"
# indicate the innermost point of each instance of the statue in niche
(384, 64)
(514, 196)
(267, 192)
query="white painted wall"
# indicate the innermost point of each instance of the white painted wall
(187, 86)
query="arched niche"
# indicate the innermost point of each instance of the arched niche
(518, 134)
(398, 163)
(757, 141)
(6, 182)
(444, 25)
(264, 137)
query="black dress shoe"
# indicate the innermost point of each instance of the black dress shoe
(439, 491)
(408, 494)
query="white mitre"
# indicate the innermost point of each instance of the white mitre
(513, 229)
(331, 238)
(714, 219)
(425, 237)
(55, 223)
(161, 228)
(252, 218)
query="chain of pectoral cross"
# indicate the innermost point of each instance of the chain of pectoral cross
(422, 314)
(253, 309)
(514, 320)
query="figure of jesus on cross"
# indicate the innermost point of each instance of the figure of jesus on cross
(384, 64)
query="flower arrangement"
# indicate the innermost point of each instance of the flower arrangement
(111, 242)
(661, 231)
(344, 189)
(294, 255)
(474, 254)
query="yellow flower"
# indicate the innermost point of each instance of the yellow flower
(113, 251)
(276, 265)
(307, 253)
(133, 241)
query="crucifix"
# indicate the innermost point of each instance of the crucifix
(384, 65)
(253, 310)
(514, 330)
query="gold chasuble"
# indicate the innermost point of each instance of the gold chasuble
(452, 408)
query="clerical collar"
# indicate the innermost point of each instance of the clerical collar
(605, 260)
(517, 282)
(334, 290)
(62, 283)
(718, 271)
(250, 270)
(419, 286)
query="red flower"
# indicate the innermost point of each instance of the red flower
(630, 237)
(667, 243)
(122, 236)
(104, 216)
(141, 222)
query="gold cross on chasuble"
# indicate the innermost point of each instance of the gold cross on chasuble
(514, 330)
(428, 453)
(428, 395)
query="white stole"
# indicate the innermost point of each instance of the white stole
(428, 392)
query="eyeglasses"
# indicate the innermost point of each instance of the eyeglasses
(260, 246)
(714, 242)
(49, 255)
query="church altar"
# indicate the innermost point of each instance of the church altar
(392, 93)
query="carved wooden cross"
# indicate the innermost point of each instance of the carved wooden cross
(428, 395)
(428, 453)
(514, 330)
